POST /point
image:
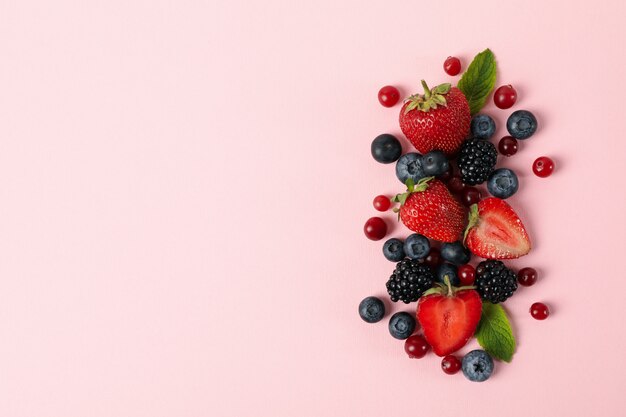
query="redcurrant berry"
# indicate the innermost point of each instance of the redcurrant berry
(543, 166)
(382, 203)
(527, 276)
(455, 184)
(416, 347)
(466, 273)
(470, 195)
(452, 65)
(450, 364)
(388, 96)
(507, 146)
(433, 259)
(539, 311)
(505, 96)
(375, 228)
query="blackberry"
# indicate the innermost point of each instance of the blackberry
(494, 281)
(409, 280)
(477, 159)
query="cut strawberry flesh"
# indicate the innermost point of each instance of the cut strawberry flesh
(499, 232)
(449, 322)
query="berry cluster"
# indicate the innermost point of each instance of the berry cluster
(450, 220)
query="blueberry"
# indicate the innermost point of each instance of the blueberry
(502, 183)
(450, 271)
(435, 163)
(521, 124)
(393, 249)
(410, 166)
(401, 325)
(416, 246)
(386, 148)
(482, 126)
(371, 309)
(477, 366)
(455, 253)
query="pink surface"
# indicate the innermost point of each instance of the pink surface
(184, 186)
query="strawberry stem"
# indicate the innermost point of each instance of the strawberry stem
(427, 92)
(446, 280)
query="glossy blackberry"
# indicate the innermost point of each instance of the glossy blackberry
(477, 159)
(494, 281)
(409, 280)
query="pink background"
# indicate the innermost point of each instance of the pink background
(183, 188)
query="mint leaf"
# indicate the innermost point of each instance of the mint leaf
(478, 80)
(494, 332)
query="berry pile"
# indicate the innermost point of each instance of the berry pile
(452, 220)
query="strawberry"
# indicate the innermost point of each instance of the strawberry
(438, 119)
(428, 208)
(449, 316)
(495, 231)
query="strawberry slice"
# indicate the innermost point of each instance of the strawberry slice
(449, 317)
(495, 231)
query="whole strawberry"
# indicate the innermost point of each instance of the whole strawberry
(438, 119)
(429, 209)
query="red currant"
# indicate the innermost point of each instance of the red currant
(505, 96)
(450, 364)
(416, 347)
(433, 259)
(470, 195)
(375, 228)
(388, 96)
(527, 276)
(467, 273)
(382, 203)
(455, 184)
(539, 311)
(543, 166)
(507, 146)
(452, 65)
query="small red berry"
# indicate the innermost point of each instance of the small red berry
(467, 273)
(375, 228)
(543, 166)
(505, 96)
(416, 347)
(382, 203)
(527, 276)
(455, 184)
(507, 146)
(388, 96)
(539, 311)
(452, 65)
(450, 364)
(470, 195)
(433, 259)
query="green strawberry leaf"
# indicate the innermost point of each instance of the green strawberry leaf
(494, 332)
(478, 80)
(443, 88)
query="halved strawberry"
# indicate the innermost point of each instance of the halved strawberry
(495, 231)
(449, 317)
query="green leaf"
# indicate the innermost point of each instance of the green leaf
(478, 80)
(439, 99)
(431, 291)
(494, 332)
(443, 88)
